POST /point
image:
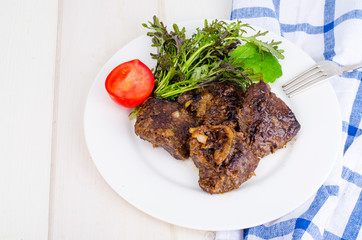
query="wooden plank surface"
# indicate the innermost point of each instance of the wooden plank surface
(27, 61)
(83, 206)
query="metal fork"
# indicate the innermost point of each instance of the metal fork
(319, 72)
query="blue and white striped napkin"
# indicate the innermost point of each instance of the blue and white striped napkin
(331, 30)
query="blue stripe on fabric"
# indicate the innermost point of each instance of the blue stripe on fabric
(310, 29)
(318, 202)
(332, 190)
(284, 228)
(359, 132)
(252, 12)
(276, 4)
(352, 177)
(330, 236)
(354, 14)
(329, 41)
(355, 118)
(355, 221)
(299, 226)
(344, 126)
(302, 226)
(351, 130)
(232, 9)
(246, 233)
(314, 231)
(276, 230)
(354, 74)
(301, 27)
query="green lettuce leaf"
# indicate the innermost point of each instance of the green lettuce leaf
(260, 62)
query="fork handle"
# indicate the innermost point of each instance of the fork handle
(351, 67)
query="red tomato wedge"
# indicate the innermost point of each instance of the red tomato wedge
(130, 83)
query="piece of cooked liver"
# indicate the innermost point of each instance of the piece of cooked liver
(165, 124)
(213, 105)
(223, 130)
(222, 157)
(267, 122)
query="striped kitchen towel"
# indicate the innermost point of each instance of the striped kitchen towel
(331, 30)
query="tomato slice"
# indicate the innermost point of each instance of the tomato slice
(130, 83)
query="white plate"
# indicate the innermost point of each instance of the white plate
(154, 182)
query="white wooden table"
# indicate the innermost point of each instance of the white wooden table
(50, 52)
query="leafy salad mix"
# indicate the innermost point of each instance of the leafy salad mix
(212, 54)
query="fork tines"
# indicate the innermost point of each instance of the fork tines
(304, 80)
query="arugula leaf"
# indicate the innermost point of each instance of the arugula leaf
(258, 60)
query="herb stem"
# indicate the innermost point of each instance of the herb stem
(194, 56)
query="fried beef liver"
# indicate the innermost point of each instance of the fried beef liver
(223, 130)
(267, 122)
(213, 105)
(165, 124)
(223, 159)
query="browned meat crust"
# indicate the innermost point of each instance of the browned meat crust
(213, 105)
(165, 124)
(266, 120)
(223, 159)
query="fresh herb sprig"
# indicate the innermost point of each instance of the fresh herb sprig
(184, 64)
